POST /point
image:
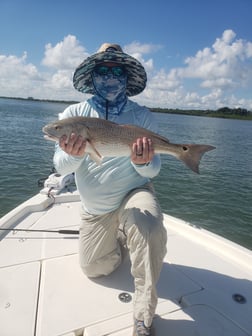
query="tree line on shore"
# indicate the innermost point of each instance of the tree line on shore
(223, 112)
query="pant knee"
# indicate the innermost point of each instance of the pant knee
(102, 266)
(144, 223)
(147, 232)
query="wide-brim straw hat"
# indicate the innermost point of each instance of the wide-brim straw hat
(113, 53)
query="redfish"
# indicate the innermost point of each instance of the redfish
(108, 139)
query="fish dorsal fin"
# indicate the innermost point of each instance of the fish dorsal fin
(91, 120)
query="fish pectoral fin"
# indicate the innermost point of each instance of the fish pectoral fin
(93, 153)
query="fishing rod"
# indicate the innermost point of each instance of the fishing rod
(70, 232)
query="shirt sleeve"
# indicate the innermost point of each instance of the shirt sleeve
(65, 163)
(150, 169)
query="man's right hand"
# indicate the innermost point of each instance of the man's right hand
(74, 145)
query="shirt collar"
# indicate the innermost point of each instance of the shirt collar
(114, 107)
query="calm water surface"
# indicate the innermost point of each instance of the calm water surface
(219, 199)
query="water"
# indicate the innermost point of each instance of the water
(219, 199)
(25, 156)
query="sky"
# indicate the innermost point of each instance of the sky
(197, 53)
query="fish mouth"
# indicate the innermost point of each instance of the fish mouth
(50, 137)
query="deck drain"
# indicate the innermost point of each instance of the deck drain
(125, 297)
(239, 298)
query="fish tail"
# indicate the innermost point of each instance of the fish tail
(191, 155)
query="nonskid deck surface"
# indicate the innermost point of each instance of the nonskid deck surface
(43, 291)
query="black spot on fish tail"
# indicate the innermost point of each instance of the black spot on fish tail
(192, 154)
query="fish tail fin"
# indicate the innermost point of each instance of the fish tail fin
(191, 155)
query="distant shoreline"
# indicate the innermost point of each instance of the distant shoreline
(43, 100)
(224, 112)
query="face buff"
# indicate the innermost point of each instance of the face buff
(110, 83)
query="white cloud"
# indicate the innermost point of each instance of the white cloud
(66, 54)
(17, 76)
(227, 64)
(223, 68)
(60, 80)
(212, 78)
(141, 49)
(11, 66)
(138, 51)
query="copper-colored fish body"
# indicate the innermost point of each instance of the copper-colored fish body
(108, 139)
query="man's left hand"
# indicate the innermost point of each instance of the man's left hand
(142, 151)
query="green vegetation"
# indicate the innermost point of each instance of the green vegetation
(43, 100)
(224, 112)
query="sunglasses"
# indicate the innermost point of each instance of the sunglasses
(103, 70)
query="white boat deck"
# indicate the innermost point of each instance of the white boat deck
(43, 291)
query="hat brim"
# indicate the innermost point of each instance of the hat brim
(136, 75)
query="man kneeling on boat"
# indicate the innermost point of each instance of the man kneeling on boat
(117, 196)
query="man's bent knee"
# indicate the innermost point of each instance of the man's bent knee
(102, 266)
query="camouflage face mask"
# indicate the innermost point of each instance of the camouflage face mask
(109, 86)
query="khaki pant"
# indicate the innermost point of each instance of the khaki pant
(140, 218)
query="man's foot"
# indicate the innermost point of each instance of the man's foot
(141, 330)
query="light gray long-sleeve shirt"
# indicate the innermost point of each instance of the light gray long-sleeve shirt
(102, 188)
